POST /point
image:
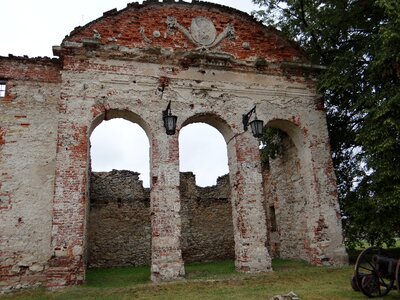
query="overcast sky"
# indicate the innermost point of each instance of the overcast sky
(31, 28)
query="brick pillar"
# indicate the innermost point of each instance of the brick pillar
(248, 212)
(166, 257)
(66, 266)
(325, 237)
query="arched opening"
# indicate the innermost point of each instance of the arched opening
(202, 150)
(285, 191)
(121, 145)
(119, 227)
(206, 210)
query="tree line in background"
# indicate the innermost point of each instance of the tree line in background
(358, 41)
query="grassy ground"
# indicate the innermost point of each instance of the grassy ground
(212, 281)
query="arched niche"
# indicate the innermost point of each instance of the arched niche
(286, 194)
(291, 129)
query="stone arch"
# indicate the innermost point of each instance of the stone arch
(124, 114)
(222, 126)
(248, 215)
(129, 239)
(213, 120)
(217, 122)
(71, 199)
(212, 205)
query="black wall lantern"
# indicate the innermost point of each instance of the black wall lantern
(255, 125)
(169, 120)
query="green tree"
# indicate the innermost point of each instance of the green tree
(359, 43)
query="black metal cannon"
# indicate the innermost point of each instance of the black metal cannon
(376, 274)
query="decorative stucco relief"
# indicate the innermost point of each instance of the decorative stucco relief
(202, 32)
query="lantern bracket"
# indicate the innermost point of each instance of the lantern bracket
(246, 117)
(256, 125)
(169, 120)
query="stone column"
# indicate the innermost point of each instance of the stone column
(66, 266)
(247, 209)
(325, 236)
(166, 257)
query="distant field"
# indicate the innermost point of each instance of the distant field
(212, 281)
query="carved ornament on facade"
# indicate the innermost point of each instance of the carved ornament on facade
(144, 37)
(202, 32)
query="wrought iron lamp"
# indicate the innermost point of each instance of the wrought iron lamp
(169, 120)
(255, 125)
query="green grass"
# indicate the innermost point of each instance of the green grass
(212, 281)
(117, 277)
(220, 270)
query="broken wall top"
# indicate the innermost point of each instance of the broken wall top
(181, 32)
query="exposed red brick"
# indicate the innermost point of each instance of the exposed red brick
(33, 69)
(264, 41)
(2, 135)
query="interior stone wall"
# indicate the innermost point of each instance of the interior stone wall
(119, 230)
(285, 204)
(207, 228)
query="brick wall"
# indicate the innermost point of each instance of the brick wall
(123, 29)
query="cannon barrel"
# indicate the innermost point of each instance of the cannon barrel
(384, 263)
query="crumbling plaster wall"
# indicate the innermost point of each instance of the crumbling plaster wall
(28, 138)
(124, 92)
(132, 93)
(115, 67)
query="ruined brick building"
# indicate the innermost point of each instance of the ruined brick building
(213, 64)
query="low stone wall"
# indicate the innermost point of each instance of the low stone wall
(119, 230)
(207, 228)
